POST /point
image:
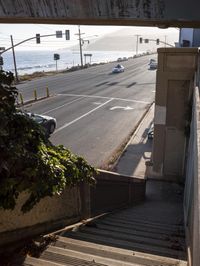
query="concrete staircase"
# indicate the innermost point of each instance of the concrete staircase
(151, 233)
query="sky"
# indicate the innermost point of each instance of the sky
(21, 32)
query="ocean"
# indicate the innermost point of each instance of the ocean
(33, 61)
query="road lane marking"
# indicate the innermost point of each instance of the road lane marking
(60, 106)
(97, 103)
(80, 117)
(127, 108)
(103, 97)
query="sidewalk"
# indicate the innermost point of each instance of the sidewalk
(138, 150)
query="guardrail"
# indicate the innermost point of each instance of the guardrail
(192, 186)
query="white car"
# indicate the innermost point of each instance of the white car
(118, 69)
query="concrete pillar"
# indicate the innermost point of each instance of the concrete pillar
(174, 87)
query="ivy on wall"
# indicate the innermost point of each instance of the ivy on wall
(28, 160)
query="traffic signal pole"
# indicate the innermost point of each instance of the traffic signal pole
(2, 51)
(26, 40)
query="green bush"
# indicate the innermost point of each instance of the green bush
(28, 161)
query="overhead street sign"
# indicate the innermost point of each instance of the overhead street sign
(56, 56)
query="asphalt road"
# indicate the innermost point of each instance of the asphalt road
(95, 110)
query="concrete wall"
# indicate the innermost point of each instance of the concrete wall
(175, 76)
(125, 12)
(114, 191)
(192, 187)
(49, 214)
(111, 192)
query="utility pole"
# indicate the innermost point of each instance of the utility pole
(14, 60)
(80, 44)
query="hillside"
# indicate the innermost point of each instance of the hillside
(125, 40)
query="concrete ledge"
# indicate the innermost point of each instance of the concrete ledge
(114, 191)
(111, 192)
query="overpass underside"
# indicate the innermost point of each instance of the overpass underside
(161, 13)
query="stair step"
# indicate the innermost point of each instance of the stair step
(147, 218)
(139, 233)
(31, 261)
(131, 245)
(144, 222)
(142, 227)
(128, 237)
(118, 254)
(72, 257)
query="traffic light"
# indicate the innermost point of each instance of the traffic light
(58, 34)
(140, 39)
(37, 38)
(67, 35)
(157, 41)
(1, 61)
(146, 40)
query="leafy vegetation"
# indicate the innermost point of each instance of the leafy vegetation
(28, 161)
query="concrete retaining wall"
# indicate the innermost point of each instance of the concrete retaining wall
(111, 192)
(49, 214)
(192, 186)
(114, 191)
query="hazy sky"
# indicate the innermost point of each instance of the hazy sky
(21, 32)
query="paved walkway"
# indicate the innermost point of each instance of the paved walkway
(138, 150)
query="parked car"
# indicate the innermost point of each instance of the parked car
(150, 133)
(47, 122)
(118, 69)
(153, 65)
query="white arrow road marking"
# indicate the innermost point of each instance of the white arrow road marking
(78, 118)
(127, 108)
(97, 103)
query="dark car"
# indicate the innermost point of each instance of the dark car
(47, 122)
(150, 133)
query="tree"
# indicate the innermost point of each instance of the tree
(28, 160)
